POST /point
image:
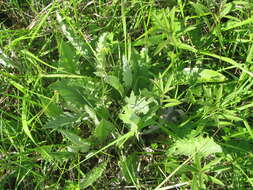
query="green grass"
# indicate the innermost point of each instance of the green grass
(126, 94)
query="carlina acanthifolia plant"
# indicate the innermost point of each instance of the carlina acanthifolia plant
(137, 94)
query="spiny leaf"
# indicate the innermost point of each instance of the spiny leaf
(75, 40)
(102, 50)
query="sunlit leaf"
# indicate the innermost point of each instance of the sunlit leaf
(202, 146)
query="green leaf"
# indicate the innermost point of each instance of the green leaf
(248, 127)
(191, 146)
(25, 123)
(238, 24)
(79, 144)
(199, 8)
(103, 130)
(139, 105)
(5, 61)
(171, 103)
(128, 167)
(92, 114)
(127, 73)
(226, 9)
(52, 109)
(47, 154)
(204, 75)
(115, 83)
(93, 175)
(73, 95)
(208, 75)
(68, 58)
(215, 180)
(64, 120)
(129, 117)
(77, 42)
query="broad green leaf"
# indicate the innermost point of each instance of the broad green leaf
(71, 94)
(79, 144)
(103, 130)
(63, 120)
(52, 109)
(129, 117)
(208, 75)
(191, 146)
(71, 185)
(93, 175)
(139, 105)
(68, 58)
(199, 8)
(115, 83)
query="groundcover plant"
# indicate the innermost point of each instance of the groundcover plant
(126, 94)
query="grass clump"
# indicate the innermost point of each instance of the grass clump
(126, 94)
